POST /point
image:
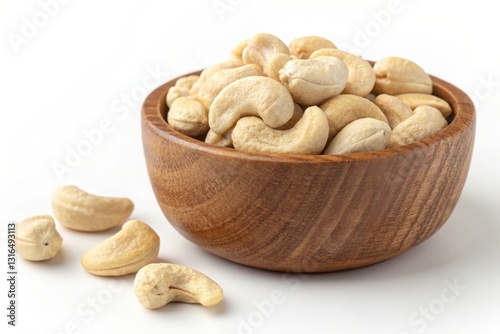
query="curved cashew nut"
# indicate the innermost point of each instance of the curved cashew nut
(188, 116)
(251, 96)
(303, 47)
(361, 76)
(219, 140)
(81, 211)
(361, 135)
(426, 121)
(342, 109)
(308, 136)
(213, 84)
(399, 76)
(415, 100)
(237, 52)
(181, 88)
(261, 48)
(394, 109)
(312, 81)
(208, 71)
(275, 64)
(158, 284)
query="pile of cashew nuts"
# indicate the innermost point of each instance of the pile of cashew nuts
(306, 98)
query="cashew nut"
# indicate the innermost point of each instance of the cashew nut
(219, 140)
(394, 109)
(261, 48)
(361, 135)
(275, 64)
(308, 136)
(424, 122)
(237, 52)
(399, 76)
(303, 47)
(361, 76)
(214, 83)
(79, 210)
(345, 108)
(312, 81)
(130, 249)
(251, 96)
(189, 116)
(37, 238)
(415, 100)
(297, 115)
(181, 88)
(208, 71)
(158, 284)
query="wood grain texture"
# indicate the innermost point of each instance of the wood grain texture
(308, 213)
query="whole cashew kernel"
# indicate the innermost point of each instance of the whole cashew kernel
(297, 115)
(399, 76)
(415, 100)
(208, 71)
(308, 136)
(37, 238)
(343, 109)
(251, 96)
(158, 284)
(181, 88)
(188, 116)
(130, 249)
(394, 109)
(81, 211)
(312, 81)
(237, 52)
(425, 122)
(303, 47)
(361, 76)
(213, 84)
(219, 140)
(361, 135)
(261, 48)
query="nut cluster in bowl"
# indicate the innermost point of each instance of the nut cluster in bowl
(306, 98)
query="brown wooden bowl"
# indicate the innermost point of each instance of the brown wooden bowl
(305, 213)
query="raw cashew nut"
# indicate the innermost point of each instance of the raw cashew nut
(399, 76)
(415, 100)
(297, 116)
(81, 211)
(188, 116)
(219, 140)
(275, 64)
(361, 76)
(237, 52)
(130, 249)
(37, 238)
(251, 96)
(362, 135)
(208, 71)
(312, 81)
(213, 84)
(181, 88)
(308, 136)
(345, 108)
(158, 284)
(303, 47)
(394, 109)
(425, 122)
(261, 48)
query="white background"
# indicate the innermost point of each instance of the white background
(77, 69)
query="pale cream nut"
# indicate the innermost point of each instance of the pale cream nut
(275, 64)
(361, 135)
(208, 71)
(394, 109)
(396, 75)
(345, 108)
(312, 81)
(130, 249)
(81, 211)
(261, 48)
(303, 47)
(219, 140)
(415, 100)
(426, 121)
(361, 75)
(37, 238)
(308, 136)
(188, 116)
(158, 284)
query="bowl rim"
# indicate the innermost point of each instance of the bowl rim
(463, 117)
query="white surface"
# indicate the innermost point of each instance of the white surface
(77, 71)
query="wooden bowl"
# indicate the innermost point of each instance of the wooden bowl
(305, 213)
